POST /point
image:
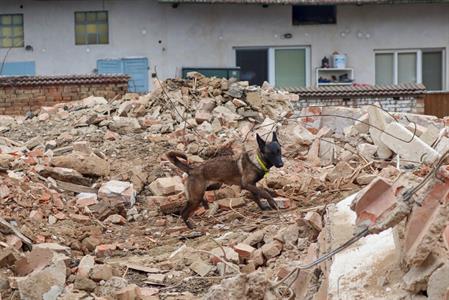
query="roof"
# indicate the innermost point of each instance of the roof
(62, 79)
(305, 2)
(408, 89)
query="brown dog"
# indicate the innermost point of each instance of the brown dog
(245, 172)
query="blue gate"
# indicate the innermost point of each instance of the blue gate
(136, 68)
(20, 68)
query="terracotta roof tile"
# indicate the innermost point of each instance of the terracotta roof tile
(305, 2)
(62, 79)
(408, 89)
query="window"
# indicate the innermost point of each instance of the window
(410, 66)
(314, 14)
(283, 67)
(11, 31)
(91, 27)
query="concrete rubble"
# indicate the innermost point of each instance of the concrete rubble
(90, 205)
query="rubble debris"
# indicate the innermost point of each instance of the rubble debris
(85, 186)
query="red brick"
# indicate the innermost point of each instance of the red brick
(105, 250)
(244, 250)
(374, 201)
(426, 221)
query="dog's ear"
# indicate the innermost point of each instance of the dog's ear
(275, 137)
(260, 142)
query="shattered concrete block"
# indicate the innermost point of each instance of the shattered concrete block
(127, 293)
(365, 179)
(430, 135)
(231, 255)
(166, 186)
(120, 191)
(341, 170)
(272, 249)
(202, 116)
(313, 154)
(244, 250)
(86, 199)
(426, 223)
(147, 293)
(101, 272)
(229, 203)
(124, 124)
(374, 201)
(327, 151)
(84, 284)
(362, 124)
(80, 218)
(156, 278)
(86, 164)
(367, 150)
(86, 264)
(7, 257)
(415, 280)
(437, 287)
(377, 118)
(201, 268)
(63, 174)
(443, 145)
(314, 219)
(14, 241)
(255, 237)
(258, 257)
(115, 219)
(302, 135)
(402, 142)
(45, 284)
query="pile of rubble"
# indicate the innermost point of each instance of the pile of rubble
(90, 204)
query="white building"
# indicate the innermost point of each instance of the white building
(274, 40)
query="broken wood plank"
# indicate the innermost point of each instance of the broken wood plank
(71, 187)
(7, 228)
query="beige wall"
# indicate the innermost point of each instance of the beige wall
(204, 35)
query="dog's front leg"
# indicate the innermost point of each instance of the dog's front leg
(259, 193)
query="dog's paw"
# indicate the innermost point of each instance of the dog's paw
(189, 224)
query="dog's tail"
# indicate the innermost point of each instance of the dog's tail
(173, 158)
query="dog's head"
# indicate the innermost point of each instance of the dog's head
(271, 151)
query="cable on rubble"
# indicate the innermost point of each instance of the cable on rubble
(407, 195)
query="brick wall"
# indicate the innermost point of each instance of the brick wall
(410, 104)
(18, 95)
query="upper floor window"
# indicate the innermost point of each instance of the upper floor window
(11, 31)
(91, 27)
(314, 14)
(411, 66)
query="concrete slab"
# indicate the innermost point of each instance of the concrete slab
(355, 272)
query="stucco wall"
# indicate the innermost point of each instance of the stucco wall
(204, 35)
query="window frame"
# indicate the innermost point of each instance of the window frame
(418, 52)
(335, 7)
(86, 23)
(271, 60)
(12, 26)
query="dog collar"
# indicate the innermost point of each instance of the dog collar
(262, 164)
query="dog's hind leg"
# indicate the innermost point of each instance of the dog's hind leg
(195, 193)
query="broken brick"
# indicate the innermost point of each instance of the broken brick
(426, 223)
(166, 186)
(244, 250)
(229, 203)
(374, 201)
(105, 250)
(314, 219)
